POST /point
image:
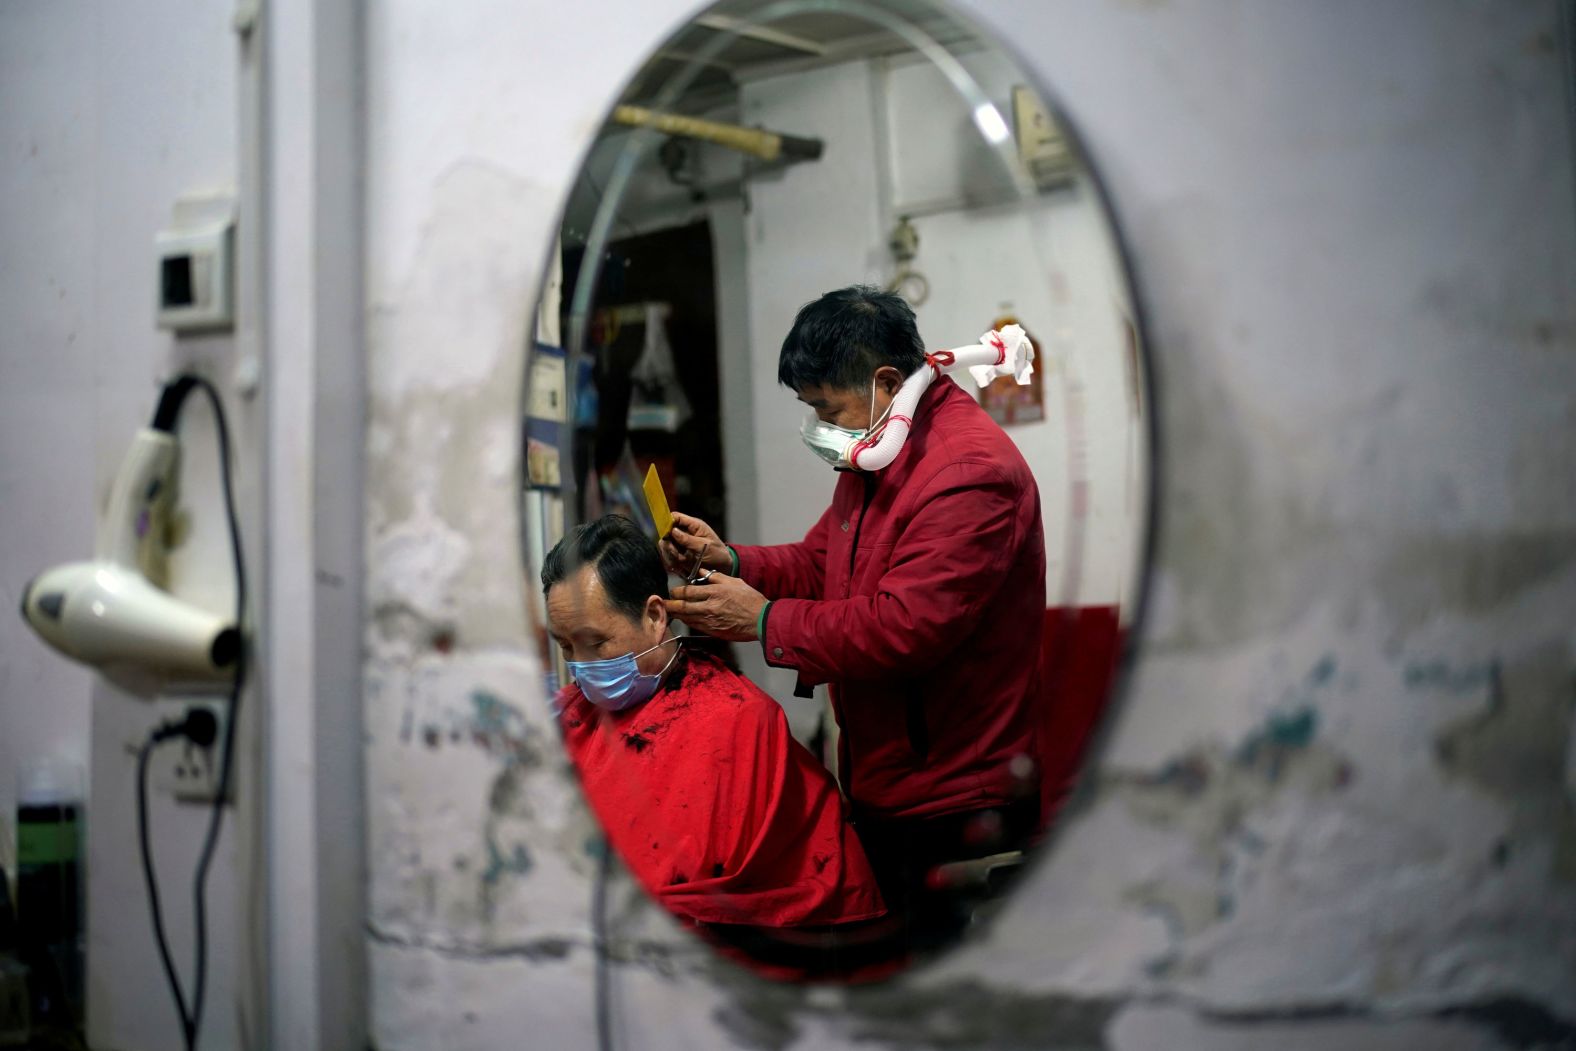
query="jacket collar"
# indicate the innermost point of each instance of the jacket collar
(943, 390)
(938, 390)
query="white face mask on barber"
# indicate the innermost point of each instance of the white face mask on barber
(836, 444)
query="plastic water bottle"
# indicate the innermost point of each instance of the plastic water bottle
(49, 890)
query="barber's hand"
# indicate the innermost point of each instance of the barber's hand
(691, 538)
(723, 607)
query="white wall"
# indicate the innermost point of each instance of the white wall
(1325, 818)
(1051, 262)
(906, 143)
(809, 229)
(812, 228)
(1051, 271)
(110, 113)
(48, 132)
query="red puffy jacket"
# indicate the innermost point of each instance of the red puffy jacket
(920, 595)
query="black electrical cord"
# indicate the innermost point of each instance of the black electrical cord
(151, 880)
(603, 978)
(216, 814)
(170, 404)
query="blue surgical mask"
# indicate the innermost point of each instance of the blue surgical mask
(616, 683)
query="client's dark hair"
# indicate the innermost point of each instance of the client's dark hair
(840, 340)
(625, 558)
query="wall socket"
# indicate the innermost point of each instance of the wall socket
(179, 767)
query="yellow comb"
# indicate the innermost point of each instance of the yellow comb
(657, 500)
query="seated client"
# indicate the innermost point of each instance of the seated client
(689, 767)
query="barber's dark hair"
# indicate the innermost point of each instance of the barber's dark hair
(625, 558)
(840, 340)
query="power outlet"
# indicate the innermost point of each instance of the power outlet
(185, 770)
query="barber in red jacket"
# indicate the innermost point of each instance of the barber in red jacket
(918, 596)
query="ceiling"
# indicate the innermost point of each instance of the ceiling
(730, 48)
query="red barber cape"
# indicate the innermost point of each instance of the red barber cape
(716, 809)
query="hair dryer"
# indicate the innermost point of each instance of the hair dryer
(111, 612)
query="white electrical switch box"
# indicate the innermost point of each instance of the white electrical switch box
(1042, 145)
(196, 276)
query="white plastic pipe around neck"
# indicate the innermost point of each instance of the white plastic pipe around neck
(1004, 352)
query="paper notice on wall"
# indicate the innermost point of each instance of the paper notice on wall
(548, 325)
(548, 399)
(541, 464)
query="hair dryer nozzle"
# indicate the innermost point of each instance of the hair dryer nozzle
(111, 617)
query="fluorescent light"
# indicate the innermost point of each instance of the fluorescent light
(989, 120)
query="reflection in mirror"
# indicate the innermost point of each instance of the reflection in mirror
(836, 288)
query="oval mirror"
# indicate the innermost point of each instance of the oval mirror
(836, 478)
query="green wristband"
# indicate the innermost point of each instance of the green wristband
(735, 556)
(760, 623)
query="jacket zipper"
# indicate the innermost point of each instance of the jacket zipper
(845, 740)
(914, 715)
(859, 527)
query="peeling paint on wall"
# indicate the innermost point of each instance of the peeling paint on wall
(1515, 748)
(1208, 793)
(1485, 571)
